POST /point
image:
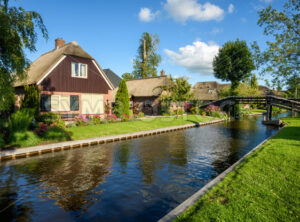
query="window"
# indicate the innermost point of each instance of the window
(79, 70)
(74, 103)
(60, 103)
(45, 103)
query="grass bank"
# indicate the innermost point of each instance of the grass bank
(83, 132)
(265, 187)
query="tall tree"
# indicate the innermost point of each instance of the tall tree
(253, 82)
(281, 58)
(122, 100)
(177, 89)
(17, 32)
(147, 60)
(233, 63)
(127, 76)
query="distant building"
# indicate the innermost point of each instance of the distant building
(144, 93)
(209, 91)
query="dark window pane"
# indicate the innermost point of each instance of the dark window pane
(74, 103)
(45, 103)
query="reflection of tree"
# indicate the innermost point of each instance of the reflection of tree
(166, 148)
(238, 132)
(122, 155)
(72, 180)
(10, 208)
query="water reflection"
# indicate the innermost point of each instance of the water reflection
(136, 180)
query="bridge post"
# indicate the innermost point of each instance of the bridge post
(293, 110)
(269, 111)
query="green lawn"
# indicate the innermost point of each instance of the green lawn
(257, 111)
(265, 187)
(82, 132)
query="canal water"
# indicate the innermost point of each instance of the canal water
(135, 180)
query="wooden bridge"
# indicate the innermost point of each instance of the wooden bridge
(288, 104)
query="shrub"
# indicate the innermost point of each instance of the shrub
(107, 108)
(49, 118)
(41, 129)
(31, 98)
(141, 114)
(203, 114)
(131, 113)
(179, 111)
(211, 109)
(2, 141)
(125, 118)
(56, 133)
(122, 100)
(59, 123)
(81, 120)
(20, 120)
(112, 118)
(96, 119)
(22, 139)
(221, 115)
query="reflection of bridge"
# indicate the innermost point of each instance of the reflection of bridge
(288, 104)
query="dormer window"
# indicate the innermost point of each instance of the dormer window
(79, 70)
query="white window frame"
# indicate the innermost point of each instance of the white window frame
(59, 104)
(79, 70)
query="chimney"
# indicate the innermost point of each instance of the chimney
(162, 73)
(59, 42)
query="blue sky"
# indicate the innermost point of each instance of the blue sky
(190, 31)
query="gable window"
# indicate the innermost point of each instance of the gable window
(79, 70)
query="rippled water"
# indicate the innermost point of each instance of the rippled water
(136, 180)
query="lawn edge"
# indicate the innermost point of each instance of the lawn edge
(67, 145)
(181, 208)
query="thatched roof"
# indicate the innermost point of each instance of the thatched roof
(46, 61)
(207, 90)
(147, 87)
(210, 90)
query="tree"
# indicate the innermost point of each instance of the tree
(122, 100)
(281, 57)
(176, 90)
(293, 87)
(127, 76)
(253, 82)
(146, 62)
(17, 32)
(233, 63)
(242, 90)
(31, 98)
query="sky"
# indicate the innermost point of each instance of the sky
(190, 31)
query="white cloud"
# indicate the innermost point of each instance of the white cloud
(182, 10)
(145, 15)
(244, 20)
(196, 58)
(230, 8)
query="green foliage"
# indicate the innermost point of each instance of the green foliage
(31, 98)
(179, 111)
(20, 120)
(253, 82)
(2, 141)
(281, 57)
(127, 76)
(233, 63)
(141, 114)
(56, 133)
(131, 113)
(293, 87)
(176, 90)
(122, 100)
(17, 32)
(96, 119)
(242, 90)
(146, 62)
(24, 139)
(49, 118)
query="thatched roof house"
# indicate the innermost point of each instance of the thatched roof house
(209, 91)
